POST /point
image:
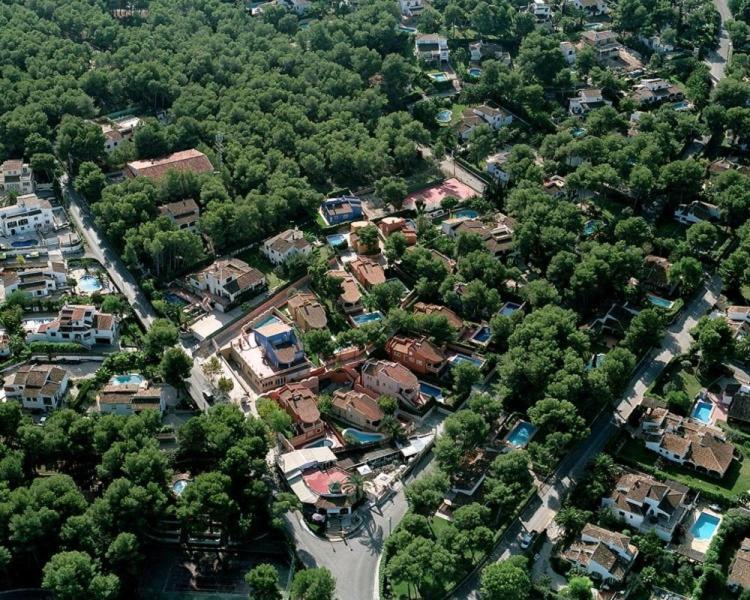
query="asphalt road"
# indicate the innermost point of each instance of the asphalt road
(101, 249)
(717, 59)
(542, 510)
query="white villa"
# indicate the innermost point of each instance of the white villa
(38, 279)
(432, 47)
(16, 176)
(608, 555)
(285, 244)
(38, 387)
(29, 213)
(226, 280)
(82, 324)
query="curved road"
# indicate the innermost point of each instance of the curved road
(540, 513)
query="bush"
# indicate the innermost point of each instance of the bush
(56, 348)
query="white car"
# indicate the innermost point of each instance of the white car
(526, 539)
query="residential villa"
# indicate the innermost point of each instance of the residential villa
(697, 211)
(300, 7)
(226, 281)
(307, 311)
(498, 238)
(421, 308)
(555, 187)
(657, 43)
(78, 323)
(38, 387)
(192, 161)
(183, 213)
(739, 313)
(4, 343)
(687, 442)
(117, 132)
(739, 571)
(417, 354)
(38, 279)
(480, 50)
(301, 404)
(269, 354)
(650, 505)
(16, 176)
(320, 485)
(410, 8)
(654, 91)
(285, 244)
(342, 209)
(367, 272)
(488, 113)
(350, 298)
(540, 9)
(29, 214)
(468, 124)
(568, 50)
(586, 101)
(130, 399)
(431, 48)
(607, 555)
(591, 7)
(655, 275)
(387, 378)
(496, 166)
(390, 225)
(602, 42)
(357, 407)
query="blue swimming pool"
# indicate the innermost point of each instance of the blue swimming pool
(362, 437)
(578, 132)
(175, 299)
(438, 77)
(509, 308)
(267, 321)
(475, 72)
(444, 116)
(431, 390)
(337, 239)
(365, 318)
(130, 379)
(702, 411)
(659, 301)
(681, 105)
(591, 226)
(24, 243)
(324, 443)
(465, 213)
(521, 434)
(179, 486)
(705, 526)
(89, 284)
(482, 335)
(406, 29)
(462, 358)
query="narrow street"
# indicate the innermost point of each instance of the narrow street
(101, 249)
(718, 59)
(542, 510)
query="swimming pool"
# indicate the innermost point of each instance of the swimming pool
(175, 299)
(681, 105)
(597, 360)
(438, 77)
(267, 321)
(24, 243)
(578, 132)
(659, 301)
(462, 358)
(591, 226)
(406, 29)
(475, 72)
(129, 379)
(482, 335)
(337, 239)
(179, 486)
(705, 526)
(702, 411)
(509, 308)
(365, 318)
(444, 116)
(89, 284)
(323, 443)
(362, 437)
(465, 213)
(431, 390)
(521, 434)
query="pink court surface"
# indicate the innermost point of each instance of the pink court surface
(319, 481)
(432, 196)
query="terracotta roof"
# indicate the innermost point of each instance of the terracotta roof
(739, 573)
(103, 321)
(367, 271)
(436, 309)
(417, 348)
(191, 160)
(299, 401)
(308, 308)
(612, 538)
(359, 402)
(182, 211)
(394, 371)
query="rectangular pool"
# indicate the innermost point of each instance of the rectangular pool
(459, 358)
(509, 308)
(431, 390)
(659, 301)
(705, 526)
(702, 411)
(365, 318)
(482, 335)
(521, 434)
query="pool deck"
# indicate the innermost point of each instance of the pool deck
(691, 547)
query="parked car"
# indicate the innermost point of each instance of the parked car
(527, 538)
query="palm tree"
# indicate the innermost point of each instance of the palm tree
(354, 486)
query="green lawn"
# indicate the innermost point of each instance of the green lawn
(255, 259)
(736, 481)
(745, 290)
(684, 380)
